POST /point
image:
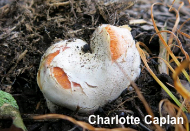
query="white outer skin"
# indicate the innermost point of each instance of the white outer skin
(101, 78)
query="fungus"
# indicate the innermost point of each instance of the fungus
(72, 78)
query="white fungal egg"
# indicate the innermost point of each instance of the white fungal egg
(72, 78)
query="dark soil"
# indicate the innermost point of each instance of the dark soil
(28, 28)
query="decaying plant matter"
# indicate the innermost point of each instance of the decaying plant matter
(28, 28)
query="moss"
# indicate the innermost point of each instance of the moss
(9, 108)
(6, 98)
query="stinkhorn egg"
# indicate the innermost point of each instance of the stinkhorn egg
(72, 78)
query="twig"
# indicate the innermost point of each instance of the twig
(148, 109)
(21, 56)
(60, 4)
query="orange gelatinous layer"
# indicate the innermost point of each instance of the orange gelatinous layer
(50, 57)
(116, 43)
(61, 77)
(58, 73)
(76, 84)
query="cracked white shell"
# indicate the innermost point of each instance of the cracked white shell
(89, 80)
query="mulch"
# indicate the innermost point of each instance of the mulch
(28, 28)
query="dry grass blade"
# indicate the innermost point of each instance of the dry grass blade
(171, 110)
(147, 49)
(185, 93)
(174, 45)
(178, 57)
(172, 4)
(79, 123)
(143, 57)
(164, 42)
(181, 4)
(178, 41)
(175, 25)
(166, 110)
(168, 65)
(148, 109)
(179, 30)
(186, 35)
(140, 96)
(184, 23)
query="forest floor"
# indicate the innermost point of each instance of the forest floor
(29, 27)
